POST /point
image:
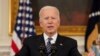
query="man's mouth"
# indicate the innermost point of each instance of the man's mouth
(50, 26)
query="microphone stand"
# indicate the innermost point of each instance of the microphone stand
(42, 50)
(53, 50)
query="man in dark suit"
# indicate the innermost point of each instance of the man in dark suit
(50, 43)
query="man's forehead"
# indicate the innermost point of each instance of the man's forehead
(48, 8)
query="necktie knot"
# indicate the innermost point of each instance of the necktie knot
(49, 39)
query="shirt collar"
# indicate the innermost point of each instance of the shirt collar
(54, 37)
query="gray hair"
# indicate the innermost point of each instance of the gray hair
(48, 7)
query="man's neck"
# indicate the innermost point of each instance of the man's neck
(50, 34)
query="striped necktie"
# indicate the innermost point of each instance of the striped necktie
(49, 46)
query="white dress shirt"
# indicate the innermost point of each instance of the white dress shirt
(54, 37)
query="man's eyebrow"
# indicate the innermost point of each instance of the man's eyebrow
(46, 17)
(53, 17)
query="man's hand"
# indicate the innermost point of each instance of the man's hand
(91, 53)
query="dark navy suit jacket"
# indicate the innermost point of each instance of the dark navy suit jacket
(65, 46)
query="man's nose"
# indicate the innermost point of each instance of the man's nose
(50, 20)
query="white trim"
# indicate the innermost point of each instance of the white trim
(12, 53)
(94, 14)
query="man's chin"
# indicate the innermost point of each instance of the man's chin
(51, 32)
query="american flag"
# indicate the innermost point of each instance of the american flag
(94, 19)
(24, 26)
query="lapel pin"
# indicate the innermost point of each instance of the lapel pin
(61, 44)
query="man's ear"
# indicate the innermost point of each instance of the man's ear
(40, 23)
(59, 22)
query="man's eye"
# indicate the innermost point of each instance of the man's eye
(53, 17)
(46, 18)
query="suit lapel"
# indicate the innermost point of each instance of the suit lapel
(41, 40)
(59, 45)
(41, 43)
(58, 40)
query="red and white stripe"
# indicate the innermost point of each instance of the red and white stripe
(15, 44)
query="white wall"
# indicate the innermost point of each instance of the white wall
(80, 42)
(4, 23)
(4, 27)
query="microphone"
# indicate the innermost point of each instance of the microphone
(53, 50)
(42, 50)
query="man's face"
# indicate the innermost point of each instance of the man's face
(49, 20)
